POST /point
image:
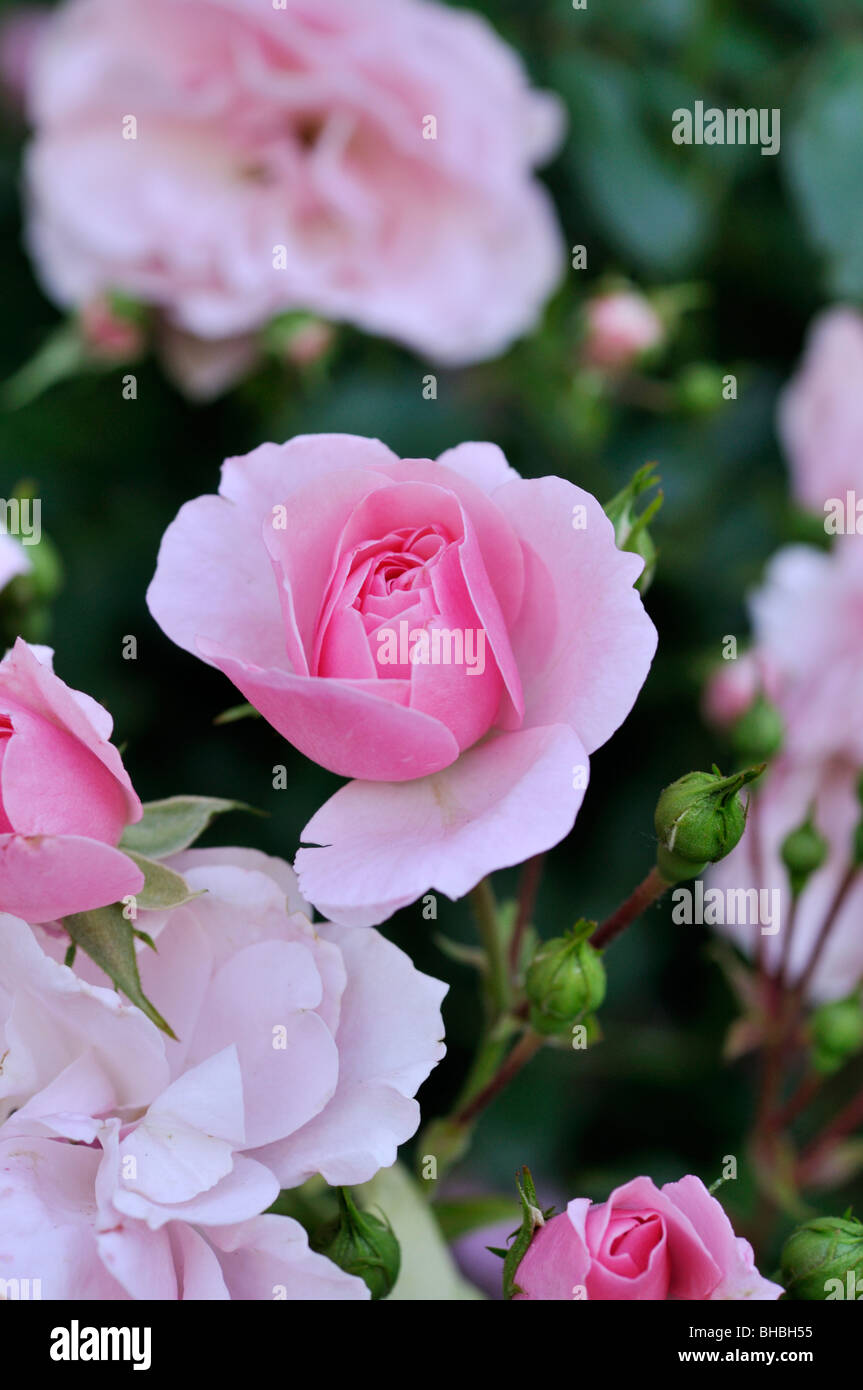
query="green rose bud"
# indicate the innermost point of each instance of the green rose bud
(758, 733)
(698, 820)
(837, 1033)
(565, 980)
(363, 1245)
(803, 851)
(819, 1258)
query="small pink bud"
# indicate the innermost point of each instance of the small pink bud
(620, 326)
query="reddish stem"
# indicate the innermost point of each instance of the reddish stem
(648, 891)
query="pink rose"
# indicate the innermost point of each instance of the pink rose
(65, 797)
(647, 1243)
(456, 638)
(58, 1227)
(619, 327)
(821, 412)
(367, 163)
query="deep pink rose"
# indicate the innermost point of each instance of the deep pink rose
(643, 1243)
(65, 797)
(457, 639)
(369, 163)
(821, 412)
(619, 327)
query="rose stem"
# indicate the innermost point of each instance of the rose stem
(484, 905)
(648, 891)
(527, 1047)
(528, 889)
(845, 1123)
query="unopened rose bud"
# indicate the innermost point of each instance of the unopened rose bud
(698, 820)
(819, 1257)
(365, 1246)
(112, 328)
(619, 328)
(804, 851)
(758, 733)
(564, 981)
(837, 1033)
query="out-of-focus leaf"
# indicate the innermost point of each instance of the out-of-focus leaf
(822, 163)
(459, 1218)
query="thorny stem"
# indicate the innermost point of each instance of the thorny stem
(648, 891)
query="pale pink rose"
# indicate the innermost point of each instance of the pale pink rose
(301, 1048)
(65, 797)
(319, 572)
(58, 1227)
(13, 559)
(619, 327)
(779, 806)
(644, 1243)
(282, 161)
(821, 412)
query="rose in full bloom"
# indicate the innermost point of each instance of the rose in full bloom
(646, 1243)
(807, 623)
(821, 412)
(455, 638)
(619, 327)
(369, 163)
(301, 1049)
(58, 1226)
(65, 797)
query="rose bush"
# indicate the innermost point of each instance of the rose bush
(645, 1242)
(65, 797)
(324, 579)
(284, 160)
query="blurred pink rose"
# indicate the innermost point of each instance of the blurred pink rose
(733, 687)
(644, 1243)
(456, 638)
(619, 327)
(821, 412)
(807, 621)
(58, 1226)
(65, 797)
(109, 335)
(367, 163)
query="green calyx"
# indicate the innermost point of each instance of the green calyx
(698, 820)
(564, 981)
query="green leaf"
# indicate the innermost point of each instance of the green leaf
(459, 1218)
(237, 712)
(163, 887)
(109, 939)
(173, 824)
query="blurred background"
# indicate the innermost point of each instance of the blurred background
(760, 243)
